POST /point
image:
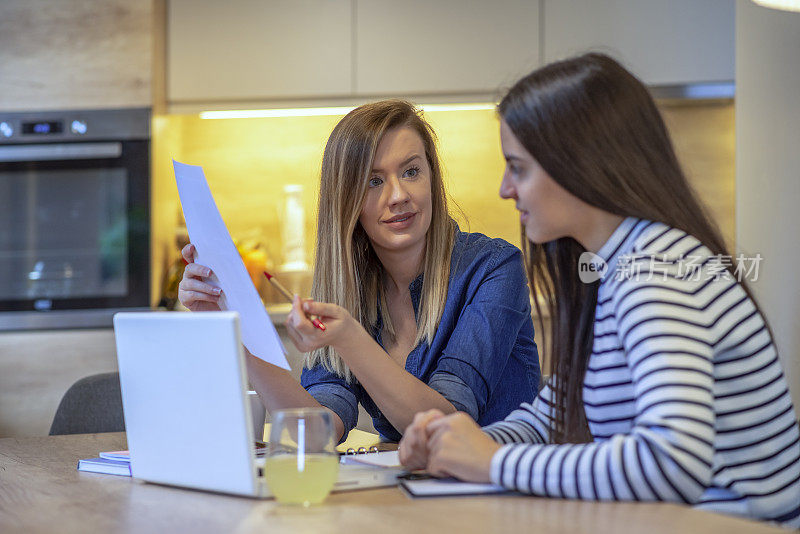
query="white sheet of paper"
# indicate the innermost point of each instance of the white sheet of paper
(377, 459)
(215, 250)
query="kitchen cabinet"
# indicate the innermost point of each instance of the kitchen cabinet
(75, 54)
(446, 46)
(675, 42)
(256, 52)
(258, 49)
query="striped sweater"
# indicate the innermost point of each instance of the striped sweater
(684, 393)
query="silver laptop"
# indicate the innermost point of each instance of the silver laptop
(187, 415)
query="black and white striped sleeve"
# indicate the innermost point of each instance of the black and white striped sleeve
(666, 331)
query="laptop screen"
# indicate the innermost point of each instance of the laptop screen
(184, 394)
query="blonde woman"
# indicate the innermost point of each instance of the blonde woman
(419, 315)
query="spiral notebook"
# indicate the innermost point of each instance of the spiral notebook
(388, 459)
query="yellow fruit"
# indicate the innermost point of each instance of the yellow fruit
(255, 262)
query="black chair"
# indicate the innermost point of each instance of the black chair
(92, 404)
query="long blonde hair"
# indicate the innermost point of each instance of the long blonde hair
(347, 271)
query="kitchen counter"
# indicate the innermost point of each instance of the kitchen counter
(278, 313)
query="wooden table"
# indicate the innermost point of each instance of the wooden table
(41, 491)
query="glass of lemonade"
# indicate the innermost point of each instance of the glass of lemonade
(302, 464)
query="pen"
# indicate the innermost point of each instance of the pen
(285, 292)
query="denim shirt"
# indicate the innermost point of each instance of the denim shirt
(482, 358)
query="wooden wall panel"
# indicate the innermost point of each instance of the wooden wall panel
(75, 54)
(705, 141)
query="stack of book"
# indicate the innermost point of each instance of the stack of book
(109, 463)
(119, 462)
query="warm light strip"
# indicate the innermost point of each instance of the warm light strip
(458, 107)
(786, 5)
(265, 113)
(318, 112)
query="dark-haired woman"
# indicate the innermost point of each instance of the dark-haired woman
(666, 383)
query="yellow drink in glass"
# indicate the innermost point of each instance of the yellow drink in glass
(301, 478)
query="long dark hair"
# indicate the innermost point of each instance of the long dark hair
(595, 129)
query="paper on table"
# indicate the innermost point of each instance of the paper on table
(215, 250)
(378, 459)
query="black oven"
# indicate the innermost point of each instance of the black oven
(74, 217)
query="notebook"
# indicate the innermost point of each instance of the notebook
(120, 456)
(387, 459)
(119, 462)
(426, 486)
(187, 415)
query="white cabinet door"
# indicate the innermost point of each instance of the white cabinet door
(444, 46)
(661, 41)
(258, 49)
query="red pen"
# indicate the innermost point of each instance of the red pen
(285, 292)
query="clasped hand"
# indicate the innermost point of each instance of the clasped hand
(448, 445)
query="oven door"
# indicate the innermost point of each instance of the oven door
(74, 231)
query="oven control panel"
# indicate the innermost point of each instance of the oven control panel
(37, 129)
(78, 125)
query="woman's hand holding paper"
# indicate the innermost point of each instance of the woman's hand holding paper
(193, 291)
